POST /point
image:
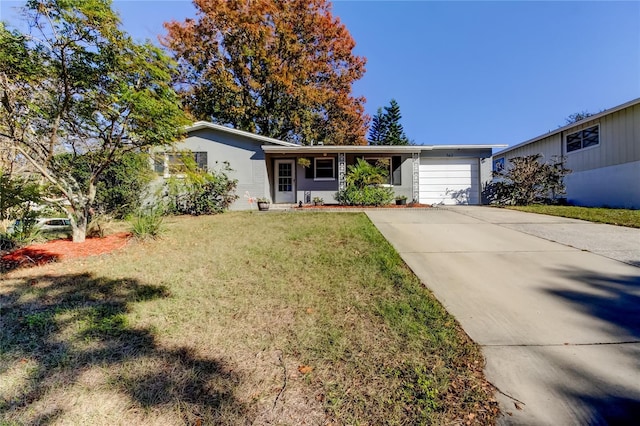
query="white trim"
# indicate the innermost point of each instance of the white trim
(201, 125)
(278, 199)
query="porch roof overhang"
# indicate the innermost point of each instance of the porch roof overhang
(367, 149)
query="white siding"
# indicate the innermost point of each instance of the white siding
(449, 181)
(613, 186)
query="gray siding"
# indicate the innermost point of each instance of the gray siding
(244, 156)
(549, 147)
(310, 188)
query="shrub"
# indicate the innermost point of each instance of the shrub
(367, 196)
(24, 231)
(17, 196)
(363, 174)
(200, 192)
(148, 223)
(528, 181)
(362, 188)
(121, 185)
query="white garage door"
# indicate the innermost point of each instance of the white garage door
(449, 181)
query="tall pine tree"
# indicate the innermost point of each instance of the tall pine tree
(386, 128)
(378, 130)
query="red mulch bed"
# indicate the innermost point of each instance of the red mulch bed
(39, 254)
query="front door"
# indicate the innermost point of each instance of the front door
(285, 181)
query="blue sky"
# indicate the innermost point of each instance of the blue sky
(471, 72)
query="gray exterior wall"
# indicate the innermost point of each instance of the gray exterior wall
(549, 147)
(308, 188)
(245, 157)
(605, 174)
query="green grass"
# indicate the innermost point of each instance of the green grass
(621, 217)
(239, 318)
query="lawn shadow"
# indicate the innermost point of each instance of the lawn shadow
(63, 326)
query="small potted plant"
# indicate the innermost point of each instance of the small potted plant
(263, 204)
(317, 201)
(401, 200)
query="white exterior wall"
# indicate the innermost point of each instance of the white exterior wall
(613, 186)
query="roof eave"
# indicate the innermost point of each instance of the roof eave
(202, 125)
(572, 125)
(407, 149)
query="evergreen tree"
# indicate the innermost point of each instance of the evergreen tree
(395, 132)
(378, 130)
(386, 128)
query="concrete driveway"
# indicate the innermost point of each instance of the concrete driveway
(557, 316)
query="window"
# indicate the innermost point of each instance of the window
(174, 162)
(583, 139)
(498, 164)
(324, 169)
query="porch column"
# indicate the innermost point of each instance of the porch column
(416, 176)
(342, 170)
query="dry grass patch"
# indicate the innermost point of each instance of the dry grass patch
(241, 318)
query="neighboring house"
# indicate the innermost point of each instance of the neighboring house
(267, 167)
(603, 152)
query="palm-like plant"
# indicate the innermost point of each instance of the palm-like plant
(363, 174)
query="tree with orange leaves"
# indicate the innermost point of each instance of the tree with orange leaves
(279, 68)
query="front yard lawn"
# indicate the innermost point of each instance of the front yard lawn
(241, 318)
(622, 217)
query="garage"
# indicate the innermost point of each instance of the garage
(449, 181)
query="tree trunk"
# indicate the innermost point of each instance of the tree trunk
(79, 226)
(80, 218)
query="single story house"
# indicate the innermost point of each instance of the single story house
(603, 152)
(271, 168)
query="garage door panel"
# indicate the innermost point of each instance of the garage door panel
(447, 187)
(447, 167)
(449, 198)
(446, 181)
(432, 174)
(449, 181)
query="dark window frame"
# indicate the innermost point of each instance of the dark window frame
(582, 139)
(324, 169)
